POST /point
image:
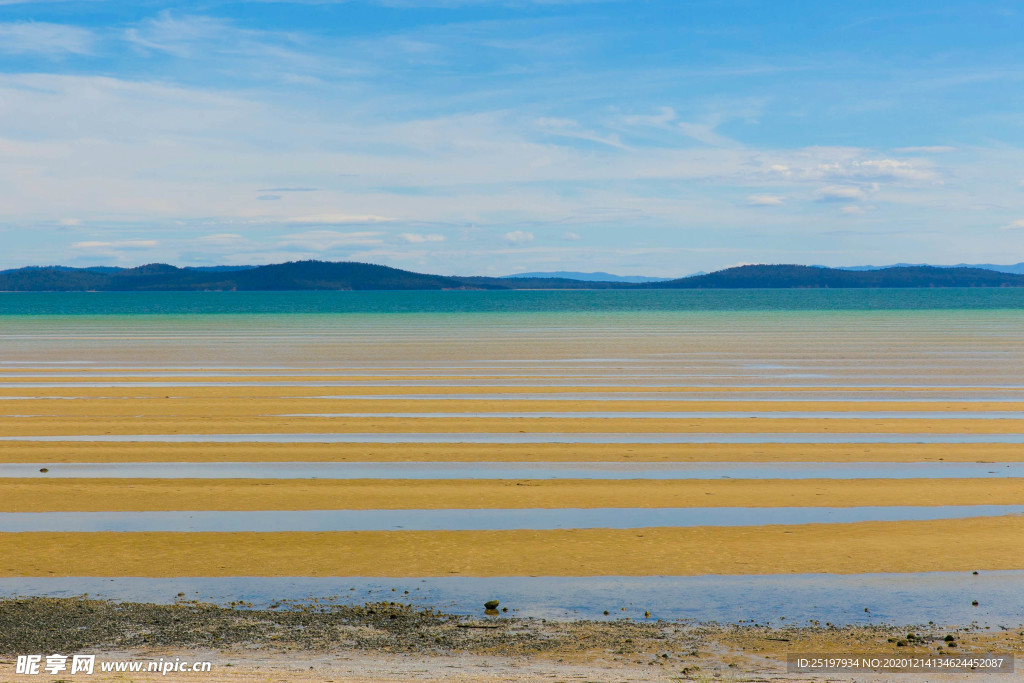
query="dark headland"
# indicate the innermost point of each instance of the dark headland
(347, 275)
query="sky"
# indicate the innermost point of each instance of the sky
(653, 137)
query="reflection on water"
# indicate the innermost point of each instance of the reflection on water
(951, 396)
(478, 519)
(899, 599)
(702, 415)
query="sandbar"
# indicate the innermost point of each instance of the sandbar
(92, 495)
(983, 543)
(72, 451)
(215, 423)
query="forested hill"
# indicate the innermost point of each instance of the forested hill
(324, 275)
(793, 276)
(296, 275)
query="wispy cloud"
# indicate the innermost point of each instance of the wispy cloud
(116, 244)
(416, 238)
(518, 237)
(325, 240)
(224, 239)
(508, 128)
(222, 44)
(570, 128)
(844, 193)
(46, 39)
(706, 133)
(765, 200)
(873, 169)
(928, 149)
(335, 219)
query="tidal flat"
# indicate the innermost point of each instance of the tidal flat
(758, 481)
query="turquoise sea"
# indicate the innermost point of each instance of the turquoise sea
(169, 303)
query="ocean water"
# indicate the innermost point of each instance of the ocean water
(545, 301)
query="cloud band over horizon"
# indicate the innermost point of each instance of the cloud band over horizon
(657, 138)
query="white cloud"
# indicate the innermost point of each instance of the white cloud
(518, 237)
(117, 244)
(334, 219)
(1014, 225)
(665, 116)
(705, 132)
(928, 149)
(571, 236)
(844, 193)
(416, 238)
(853, 210)
(227, 239)
(322, 240)
(177, 36)
(879, 169)
(765, 200)
(43, 38)
(572, 129)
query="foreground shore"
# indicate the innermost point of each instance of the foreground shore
(392, 641)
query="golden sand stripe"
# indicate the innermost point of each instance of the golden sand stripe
(199, 378)
(215, 424)
(91, 495)
(257, 407)
(987, 543)
(72, 451)
(9, 389)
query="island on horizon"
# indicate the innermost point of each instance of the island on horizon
(348, 275)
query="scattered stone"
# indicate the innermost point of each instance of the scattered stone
(491, 604)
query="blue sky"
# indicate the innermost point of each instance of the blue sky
(489, 136)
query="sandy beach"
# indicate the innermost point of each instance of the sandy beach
(41, 495)
(113, 452)
(989, 543)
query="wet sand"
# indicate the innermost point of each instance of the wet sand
(87, 495)
(948, 545)
(112, 452)
(101, 424)
(892, 362)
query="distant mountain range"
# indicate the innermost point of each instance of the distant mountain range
(792, 276)
(324, 275)
(1015, 268)
(587, 277)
